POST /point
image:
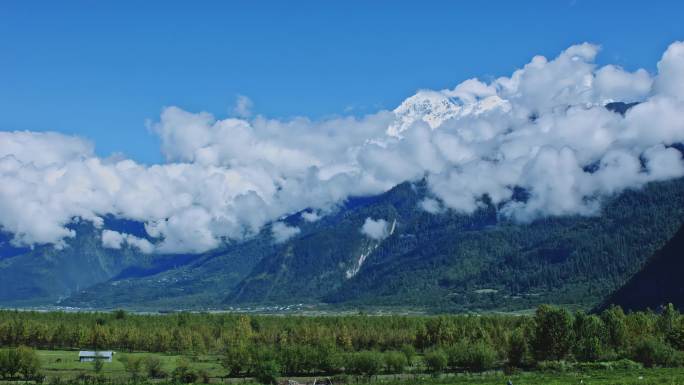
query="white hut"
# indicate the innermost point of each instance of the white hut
(90, 356)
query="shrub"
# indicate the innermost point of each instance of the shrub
(626, 364)
(519, 349)
(623, 364)
(457, 355)
(675, 337)
(183, 373)
(475, 357)
(132, 366)
(22, 360)
(267, 372)
(9, 364)
(153, 367)
(340, 379)
(554, 366)
(652, 351)
(29, 363)
(119, 314)
(203, 376)
(56, 380)
(409, 352)
(395, 362)
(364, 363)
(436, 361)
(481, 357)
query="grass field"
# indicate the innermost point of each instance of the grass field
(65, 364)
(598, 377)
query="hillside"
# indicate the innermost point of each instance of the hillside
(456, 262)
(446, 261)
(658, 283)
(440, 262)
(44, 274)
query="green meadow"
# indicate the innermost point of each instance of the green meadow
(64, 365)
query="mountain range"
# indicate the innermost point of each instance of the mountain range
(438, 262)
(432, 260)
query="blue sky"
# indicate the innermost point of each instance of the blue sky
(100, 70)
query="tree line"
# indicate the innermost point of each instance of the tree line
(266, 347)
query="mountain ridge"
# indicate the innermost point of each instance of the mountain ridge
(448, 261)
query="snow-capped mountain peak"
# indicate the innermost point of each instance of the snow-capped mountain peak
(436, 107)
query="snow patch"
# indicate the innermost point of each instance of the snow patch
(436, 107)
(359, 262)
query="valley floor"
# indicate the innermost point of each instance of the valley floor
(63, 367)
(595, 377)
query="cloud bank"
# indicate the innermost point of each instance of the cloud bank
(543, 129)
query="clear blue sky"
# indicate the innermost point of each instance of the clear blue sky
(100, 69)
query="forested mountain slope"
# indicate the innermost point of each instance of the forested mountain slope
(46, 274)
(444, 261)
(455, 262)
(660, 282)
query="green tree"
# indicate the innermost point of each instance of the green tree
(481, 357)
(153, 367)
(436, 361)
(132, 366)
(553, 333)
(676, 336)
(409, 352)
(519, 349)
(475, 357)
(615, 322)
(589, 336)
(183, 373)
(295, 359)
(325, 358)
(99, 337)
(668, 320)
(9, 363)
(236, 359)
(29, 362)
(98, 365)
(395, 362)
(119, 314)
(366, 363)
(651, 351)
(267, 371)
(457, 355)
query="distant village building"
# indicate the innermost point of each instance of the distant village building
(90, 356)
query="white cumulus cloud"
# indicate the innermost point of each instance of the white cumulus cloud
(115, 240)
(543, 129)
(377, 229)
(282, 232)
